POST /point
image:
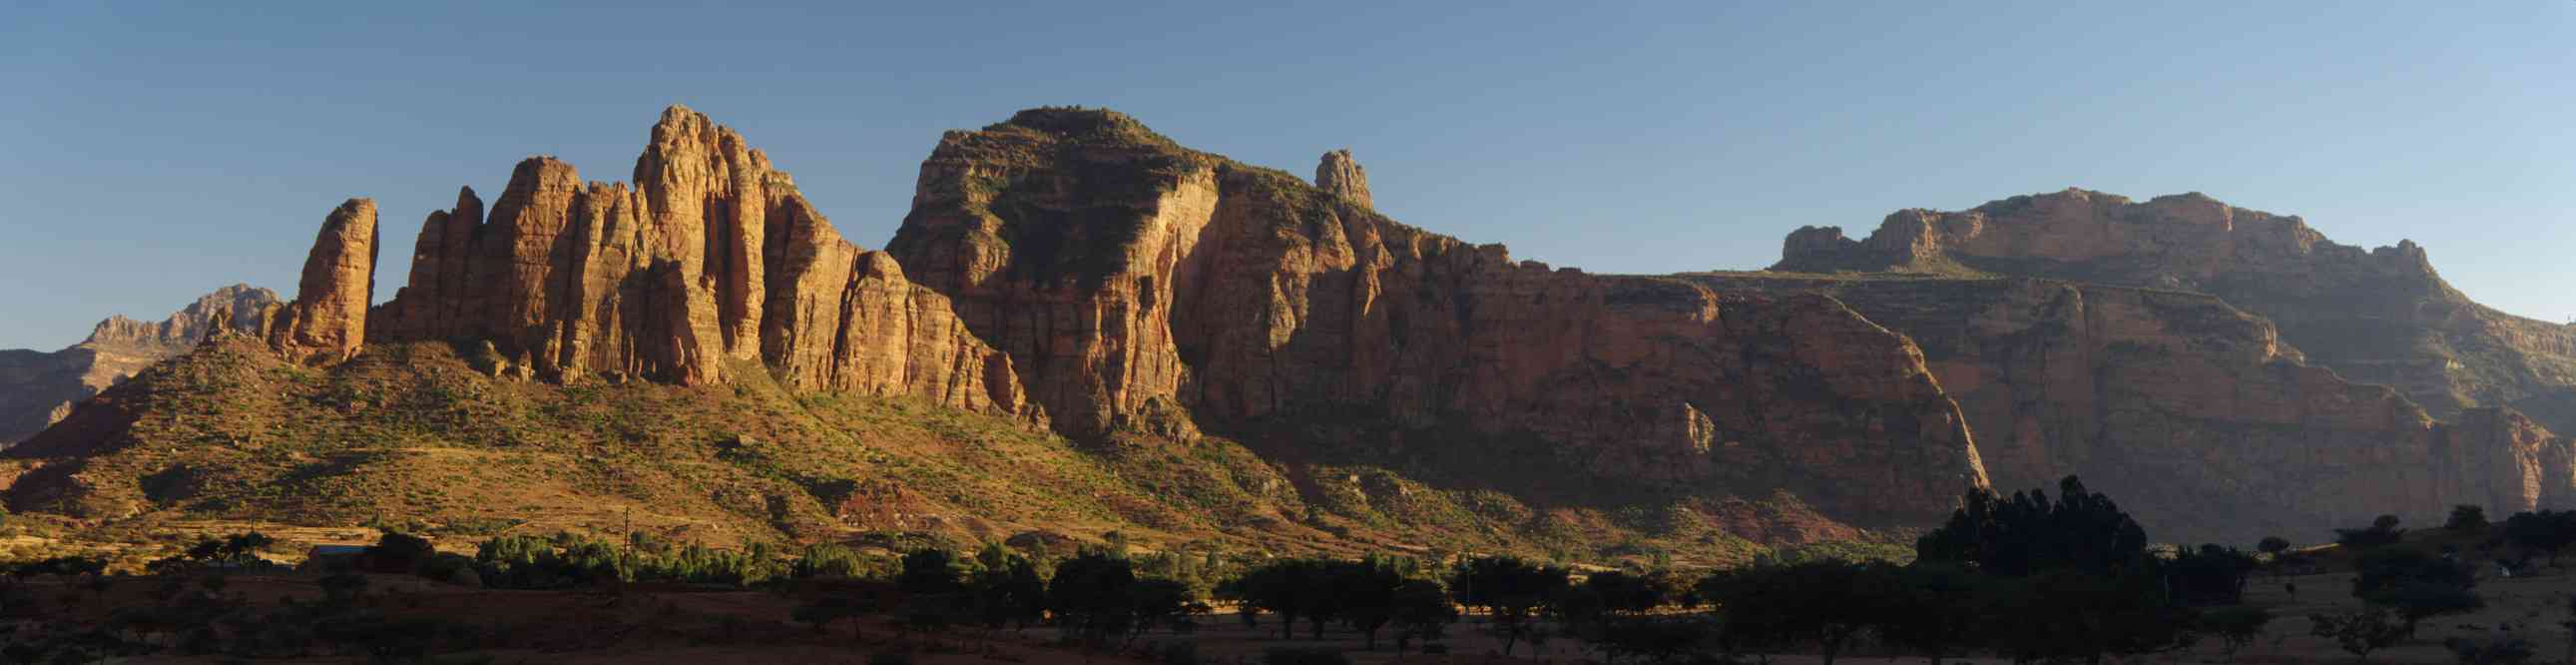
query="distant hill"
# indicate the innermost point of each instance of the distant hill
(38, 388)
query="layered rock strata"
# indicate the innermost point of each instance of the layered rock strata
(327, 322)
(711, 256)
(2193, 412)
(2378, 316)
(1073, 268)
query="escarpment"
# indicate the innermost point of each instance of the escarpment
(2379, 316)
(39, 388)
(1130, 278)
(1072, 268)
(710, 256)
(2194, 412)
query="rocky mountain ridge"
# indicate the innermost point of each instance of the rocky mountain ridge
(38, 388)
(2380, 316)
(1069, 270)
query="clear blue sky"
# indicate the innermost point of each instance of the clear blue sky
(150, 153)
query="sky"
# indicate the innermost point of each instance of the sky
(152, 152)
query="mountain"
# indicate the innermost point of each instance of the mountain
(1085, 327)
(38, 388)
(1082, 327)
(2380, 316)
(2200, 359)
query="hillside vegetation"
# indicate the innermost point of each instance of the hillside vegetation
(422, 436)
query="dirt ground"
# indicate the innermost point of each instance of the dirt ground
(672, 624)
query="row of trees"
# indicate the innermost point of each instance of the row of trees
(2027, 577)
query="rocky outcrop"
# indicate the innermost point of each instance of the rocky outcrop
(1339, 175)
(2188, 408)
(1070, 267)
(712, 256)
(2378, 316)
(39, 388)
(1129, 278)
(327, 323)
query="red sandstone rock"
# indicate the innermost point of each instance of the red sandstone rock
(327, 323)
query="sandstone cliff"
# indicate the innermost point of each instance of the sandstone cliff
(1072, 268)
(1339, 175)
(710, 256)
(2193, 412)
(2376, 316)
(1142, 286)
(39, 388)
(328, 320)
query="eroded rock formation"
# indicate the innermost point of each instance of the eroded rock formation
(2377, 316)
(1339, 175)
(327, 322)
(1073, 268)
(1129, 278)
(711, 256)
(39, 388)
(2193, 412)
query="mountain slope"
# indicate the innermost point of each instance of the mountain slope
(38, 388)
(1188, 347)
(2380, 316)
(2193, 412)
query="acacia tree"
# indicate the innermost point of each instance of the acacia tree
(2358, 631)
(1422, 611)
(1511, 591)
(1364, 594)
(1090, 597)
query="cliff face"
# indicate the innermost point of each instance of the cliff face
(39, 388)
(1133, 280)
(2378, 316)
(1073, 269)
(2189, 409)
(711, 256)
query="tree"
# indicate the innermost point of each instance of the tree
(2548, 531)
(1824, 602)
(2212, 575)
(1008, 591)
(396, 552)
(1510, 590)
(2029, 534)
(1289, 588)
(1935, 614)
(1158, 602)
(1090, 596)
(2504, 649)
(2358, 631)
(2415, 601)
(1421, 611)
(2069, 615)
(845, 602)
(2382, 531)
(1363, 594)
(2413, 584)
(2466, 518)
(1629, 593)
(2276, 551)
(928, 572)
(2236, 627)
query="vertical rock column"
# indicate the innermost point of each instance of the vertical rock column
(1342, 176)
(327, 323)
